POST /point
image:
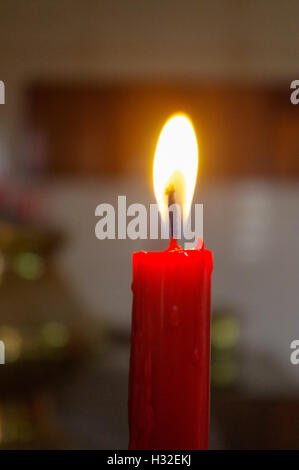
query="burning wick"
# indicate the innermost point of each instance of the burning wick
(170, 191)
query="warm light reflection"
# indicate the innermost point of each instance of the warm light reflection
(175, 163)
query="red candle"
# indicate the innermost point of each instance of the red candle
(170, 349)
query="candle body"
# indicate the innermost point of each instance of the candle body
(169, 378)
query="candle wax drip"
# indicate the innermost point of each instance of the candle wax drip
(173, 245)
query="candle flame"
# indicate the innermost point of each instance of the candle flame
(175, 164)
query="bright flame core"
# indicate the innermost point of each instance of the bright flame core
(176, 163)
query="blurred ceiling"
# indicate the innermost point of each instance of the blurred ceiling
(231, 39)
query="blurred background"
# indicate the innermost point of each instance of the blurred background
(88, 88)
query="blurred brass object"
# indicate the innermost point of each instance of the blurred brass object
(224, 373)
(45, 330)
(29, 265)
(15, 423)
(15, 238)
(225, 331)
(225, 338)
